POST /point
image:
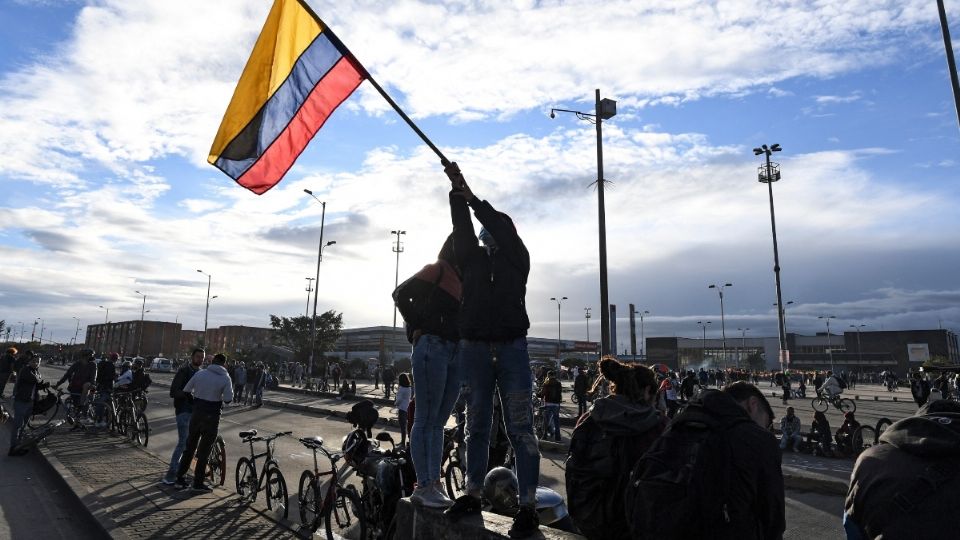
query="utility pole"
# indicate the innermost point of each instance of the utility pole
(306, 313)
(398, 249)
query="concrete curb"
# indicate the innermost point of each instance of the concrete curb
(88, 498)
(855, 397)
(795, 478)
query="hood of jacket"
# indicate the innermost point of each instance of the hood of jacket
(720, 405)
(933, 435)
(217, 369)
(619, 413)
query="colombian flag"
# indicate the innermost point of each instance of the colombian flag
(296, 76)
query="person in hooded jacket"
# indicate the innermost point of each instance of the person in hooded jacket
(908, 485)
(211, 388)
(596, 473)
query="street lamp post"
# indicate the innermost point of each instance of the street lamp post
(77, 332)
(857, 327)
(42, 326)
(309, 290)
(142, 313)
(605, 109)
(559, 303)
(829, 346)
(769, 174)
(723, 328)
(586, 316)
(313, 322)
(398, 249)
(20, 339)
(206, 312)
(703, 342)
(642, 337)
(103, 335)
(743, 340)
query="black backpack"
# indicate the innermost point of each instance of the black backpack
(680, 487)
(413, 296)
(596, 476)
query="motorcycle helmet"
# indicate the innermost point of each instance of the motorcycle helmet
(501, 488)
(355, 447)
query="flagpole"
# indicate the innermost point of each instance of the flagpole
(951, 63)
(340, 45)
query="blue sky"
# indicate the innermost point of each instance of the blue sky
(109, 109)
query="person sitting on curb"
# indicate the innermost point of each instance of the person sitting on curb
(790, 427)
(820, 436)
(844, 435)
(907, 486)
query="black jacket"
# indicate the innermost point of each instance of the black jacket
(182, 402)
(892, 493)
(7, 361)
(430, 300)
(580, 384)
(28, 381)
(552, 391)
(80, 373)
(106, 375)
(756, 498)
(494, 283)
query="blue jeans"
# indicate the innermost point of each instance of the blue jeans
(103, 396)
(437, 380)
(504, 365)
(551, 419)
(183, 430)
(21, 411)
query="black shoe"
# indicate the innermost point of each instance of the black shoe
(181, 484)
(525, 523)
(202, 488)
(464, 505)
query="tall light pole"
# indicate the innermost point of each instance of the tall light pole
(586, 317)
(605, 109)
(703, 342)
(33, 333)
(829, 345)
(206, 312)
(309, 290)
(142, 312)
(951, 63)
(559, 303)
(398, 249)
(743, 340)
(857, 327)
(77, 332)
(723, 328)
(643, 340)
(313, 322)
(768, 174)
(42, 326)
(20, 340)
(103, 335)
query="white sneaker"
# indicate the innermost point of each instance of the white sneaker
(418, 493)
(434, 497)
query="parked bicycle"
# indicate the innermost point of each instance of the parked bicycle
(324, 496)
(131, 421)
(249, 482)
(821, 403)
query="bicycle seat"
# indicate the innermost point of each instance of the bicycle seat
(245, 434)
(311, 442)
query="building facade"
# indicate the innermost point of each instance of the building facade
(148, 339)
(233, 339)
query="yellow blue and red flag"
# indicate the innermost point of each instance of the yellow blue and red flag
(296, 76)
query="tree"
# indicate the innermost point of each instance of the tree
(294, 333)
(755, 362)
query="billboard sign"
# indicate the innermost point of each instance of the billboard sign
(918, 352)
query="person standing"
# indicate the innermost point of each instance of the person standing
(183, 410)
(240, 381)
(7, 362)
(24, 394)
(552, 394)
(106, 376)
(253, 376)
(388, 376)
(376, 378)
(211, 388)
(404, 393)
(493, 324)
(580, 390)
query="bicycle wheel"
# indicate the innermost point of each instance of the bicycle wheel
(309, 501)
(141, 430)
(862, 439)
(277, 493)
(345, 513)
(217, 463)
(110, 416)
(456, 480)
(140, 402)
(246, 478)
(882, 426)
(538, 424)
(123, 422)
(819, 404)
(848, 405)
(574, 398)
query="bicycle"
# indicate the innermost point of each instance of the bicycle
(131, 421)
(329, 499)
(216, 472)
(249, 483)
(821, 403)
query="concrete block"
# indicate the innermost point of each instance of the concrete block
(416, 523)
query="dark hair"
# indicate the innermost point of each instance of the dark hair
(403, 379)
(940, 406)
(198, 349)
(219, 358)
(742, 391)
(626, 379)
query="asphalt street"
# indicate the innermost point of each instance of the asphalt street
(808, 514)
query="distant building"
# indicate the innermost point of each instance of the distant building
(899, 350)
(189, 340)
(131, 338)
(233, 339)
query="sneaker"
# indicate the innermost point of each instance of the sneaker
(464, 505)
(418, 494)
(202, 488)
(525, 523)
(435, 497)
(167, 482)
(180, 483)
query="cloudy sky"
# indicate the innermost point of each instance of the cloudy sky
(109, 108)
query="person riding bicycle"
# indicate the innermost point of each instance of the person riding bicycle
(82, 376)
(832, 387)
(141, 381)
